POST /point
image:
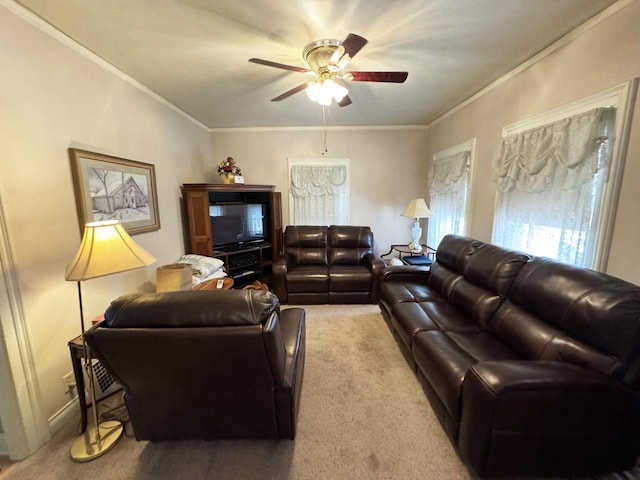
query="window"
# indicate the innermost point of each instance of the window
(319, 191)
(449, 191)
(558, 180)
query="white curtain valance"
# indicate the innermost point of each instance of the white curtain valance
(448, 174)
(318, 180)
(565, 154)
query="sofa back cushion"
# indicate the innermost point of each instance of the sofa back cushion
(306, 245)
(474, 276)
(192, 308)
(575, 315)
(451, 257)
(348, 244)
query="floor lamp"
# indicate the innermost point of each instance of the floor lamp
(417, 209)
(106, 248)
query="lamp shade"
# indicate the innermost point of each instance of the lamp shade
(323, 92)
(106, 248)
(417, 209)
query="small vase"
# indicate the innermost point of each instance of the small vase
(227, 177)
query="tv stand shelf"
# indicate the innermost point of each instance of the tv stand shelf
(247, 263)
(243, 262)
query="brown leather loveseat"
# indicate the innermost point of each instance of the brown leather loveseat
(205, 364)
(322, 264)
(531, 366)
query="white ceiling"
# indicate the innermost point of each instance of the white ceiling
(195, 53)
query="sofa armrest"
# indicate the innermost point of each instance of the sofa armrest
(279, 277)
(287, 395)
(404, 273)
(375, 265)
(524, 417)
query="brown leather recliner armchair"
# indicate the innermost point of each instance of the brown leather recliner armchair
(205, 364)
(323, 264)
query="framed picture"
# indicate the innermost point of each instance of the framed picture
(112, 188)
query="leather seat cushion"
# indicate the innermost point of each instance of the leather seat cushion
(444, 365)
(408, 319)
(445, 358)
(308, 279)
(395, 292)
(448, 317)
(349, 278)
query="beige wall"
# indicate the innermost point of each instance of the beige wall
(387, 166)
(51, 98)
(604, 56)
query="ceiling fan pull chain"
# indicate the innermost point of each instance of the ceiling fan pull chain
(324, 140)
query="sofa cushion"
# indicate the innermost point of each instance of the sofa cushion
(397, 292)
(308, 279)
(444, 365)
(448, 317)
(583, 303)
(476, 302)
(349, 278)
(535, 339)
(408, 318)
(494, 268)
(445, 358)
(454, 251)
(306, 245)
(349, 244)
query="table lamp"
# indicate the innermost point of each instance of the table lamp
(106, 248)
(417, 209)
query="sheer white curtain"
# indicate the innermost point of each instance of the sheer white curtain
(448, 185)
(319, 194)
(550, 186)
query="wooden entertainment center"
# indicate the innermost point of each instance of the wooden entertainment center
(244, 262)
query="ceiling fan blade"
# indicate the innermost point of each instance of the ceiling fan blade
(353, 44)
(392, 77)
(345, 101)
(269, 63)
(288, 93)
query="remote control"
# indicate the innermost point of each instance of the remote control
(219, 283)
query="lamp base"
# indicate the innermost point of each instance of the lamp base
(416, 233)
(85, 448)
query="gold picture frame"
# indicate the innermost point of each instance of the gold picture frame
(113, 188)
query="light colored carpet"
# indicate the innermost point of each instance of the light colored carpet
(362, 415)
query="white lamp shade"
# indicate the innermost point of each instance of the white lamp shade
(106, 248)
(417, 209)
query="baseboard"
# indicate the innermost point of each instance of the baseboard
(63, 417)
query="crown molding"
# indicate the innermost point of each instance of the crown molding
(47, 28)
(561, 42)
(336, 128)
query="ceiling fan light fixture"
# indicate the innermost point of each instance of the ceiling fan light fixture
(324, 92)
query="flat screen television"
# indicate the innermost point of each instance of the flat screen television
(238, 223)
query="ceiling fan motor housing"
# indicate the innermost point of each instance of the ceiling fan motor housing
(322, 55)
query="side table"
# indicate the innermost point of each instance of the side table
(227, 283)
(105, 384)
(405, 250)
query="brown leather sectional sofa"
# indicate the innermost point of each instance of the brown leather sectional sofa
(531, 366)
(323, 264)
(205, 364)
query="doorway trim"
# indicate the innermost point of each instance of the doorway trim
(25, 428)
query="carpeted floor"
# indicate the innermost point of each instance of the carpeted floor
(363, 415)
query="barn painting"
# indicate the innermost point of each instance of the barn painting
(118, 195)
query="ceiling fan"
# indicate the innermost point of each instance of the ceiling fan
(327, 60)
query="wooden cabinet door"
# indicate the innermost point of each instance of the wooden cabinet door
(276, 223)
(200, 240)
